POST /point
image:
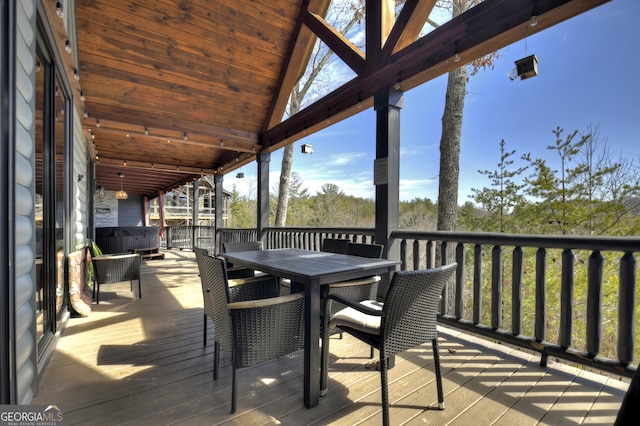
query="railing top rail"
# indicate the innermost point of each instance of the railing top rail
(349, 230)
(625, 244)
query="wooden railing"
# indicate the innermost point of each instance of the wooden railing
(572, 298)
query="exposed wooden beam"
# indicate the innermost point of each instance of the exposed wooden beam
(338, 43)
(407, 28)
(483, 29)
(296, 60)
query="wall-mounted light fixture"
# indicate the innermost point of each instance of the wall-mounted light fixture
(121, 195)
(307, 149)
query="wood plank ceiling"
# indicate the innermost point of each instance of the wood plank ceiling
(176, 89)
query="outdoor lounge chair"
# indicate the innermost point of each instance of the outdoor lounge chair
(252, 332)
(406, 318)
(240, 289)
(114, 268)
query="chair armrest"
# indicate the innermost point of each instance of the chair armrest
(355, 305)
(115, 256)
(260, 303)
(362, 281)
(250, 280)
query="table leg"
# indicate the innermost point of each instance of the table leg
(311, 345)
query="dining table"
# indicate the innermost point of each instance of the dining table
(311, 270)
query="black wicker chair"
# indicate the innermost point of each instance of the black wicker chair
(358, 289)
(232, 246)
(335, 245)
(114, 268)
(406, 319)
(253, 331)
(240, 289)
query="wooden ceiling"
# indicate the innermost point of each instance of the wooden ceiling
(176, 89)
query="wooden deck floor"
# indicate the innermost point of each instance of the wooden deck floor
(141, 361)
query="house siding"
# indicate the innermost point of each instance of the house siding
(80, 204)
(26, 356)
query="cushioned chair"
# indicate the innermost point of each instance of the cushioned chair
(253, 331)
(241, 289)
(114, 268)
(358, 289)
(406, 318)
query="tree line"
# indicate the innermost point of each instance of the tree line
(589, 193)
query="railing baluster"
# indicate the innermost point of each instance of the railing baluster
(626, 313)
(416, 255)
(403, 255)
(566, 298)
(459, 307)
(444, 305)
(594, 303)
(496, 287)
(516, 291)
(477, 284)
(430, 254)
(541, 296)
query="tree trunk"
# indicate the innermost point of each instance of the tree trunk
(450, 165)
(283, 191)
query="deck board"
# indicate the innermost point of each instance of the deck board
(141, 362)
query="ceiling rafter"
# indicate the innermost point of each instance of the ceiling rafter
(337, 42)
(487, 27)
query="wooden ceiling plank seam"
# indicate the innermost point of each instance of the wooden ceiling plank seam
(178, 139)
(350, 54)
(225, 135)
(176, 68)
(133, 131)
(165, 168)
(230, 29)
(195, 47)
(179, 59)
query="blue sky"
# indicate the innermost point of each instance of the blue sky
(588, 74)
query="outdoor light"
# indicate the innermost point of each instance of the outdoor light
(121, 195)
(76, 76)
(82, 97)
(306, 149)
(97, 122)
(67, 46)
(59, 10)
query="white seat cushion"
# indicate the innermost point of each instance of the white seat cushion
(357, 320)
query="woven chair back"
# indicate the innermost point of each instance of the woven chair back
(410, 308)
(373, 251)
(216, 297)
(335, 245)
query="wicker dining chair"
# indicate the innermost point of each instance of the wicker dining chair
(357, 289)
(241, 289)
(252, 332)
(334, 245)
(233, 246)
(406, 318)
